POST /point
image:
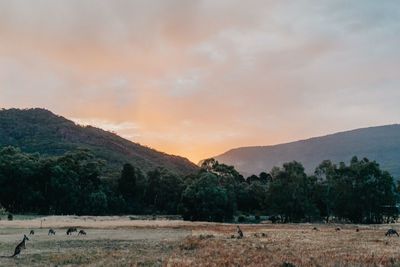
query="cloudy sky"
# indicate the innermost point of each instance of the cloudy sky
(196, 78)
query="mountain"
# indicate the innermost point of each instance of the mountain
(39, 130)
(376, 143)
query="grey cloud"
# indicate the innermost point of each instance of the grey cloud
(250, 71)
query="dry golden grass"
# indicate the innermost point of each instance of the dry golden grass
(299, 245)
(119, 241)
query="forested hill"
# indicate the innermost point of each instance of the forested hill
(39, 130)
(376, 143)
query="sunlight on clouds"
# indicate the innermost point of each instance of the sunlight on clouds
(121, 128)
(198, 78)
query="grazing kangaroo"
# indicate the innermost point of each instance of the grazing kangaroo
(338, 229)
(82, 232)
(51, 232)
(239, 232)
(391, 232)
(71, 230)
(32, 232)
(315, 229)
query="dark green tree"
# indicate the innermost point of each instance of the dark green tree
(206, 200)
(132, 186)
(363, 191)
(164, 191)
(127, 182)
(290, 193)
(324, 195)
(97, 203)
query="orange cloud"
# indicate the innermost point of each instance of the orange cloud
(198, 78)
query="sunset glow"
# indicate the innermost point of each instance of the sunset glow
(197, 78)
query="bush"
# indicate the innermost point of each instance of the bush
(10, 217)
(2, 211)
(241, 219)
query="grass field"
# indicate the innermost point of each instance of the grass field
(120, 241)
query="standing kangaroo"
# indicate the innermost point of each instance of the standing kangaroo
(18, 248)
(240, 233)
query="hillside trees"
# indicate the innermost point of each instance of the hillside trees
(62, 185)
(359, 192)
(18, 188)
(74, 178)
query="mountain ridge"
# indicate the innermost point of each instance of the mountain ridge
(40, 130)
(380, 143)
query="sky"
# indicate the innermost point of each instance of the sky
(197, 78)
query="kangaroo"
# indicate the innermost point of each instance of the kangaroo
(71, 230)
(391, 232)
(32, 232)
(51, 232)
(315, 229)
(239, 232)
(337, 229)
(18, 248)
(82, 232)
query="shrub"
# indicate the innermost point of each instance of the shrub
(2, 211)
(241, 218)
(10, 217)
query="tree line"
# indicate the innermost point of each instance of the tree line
(359, 192)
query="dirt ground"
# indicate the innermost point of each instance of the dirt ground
(120, 241)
